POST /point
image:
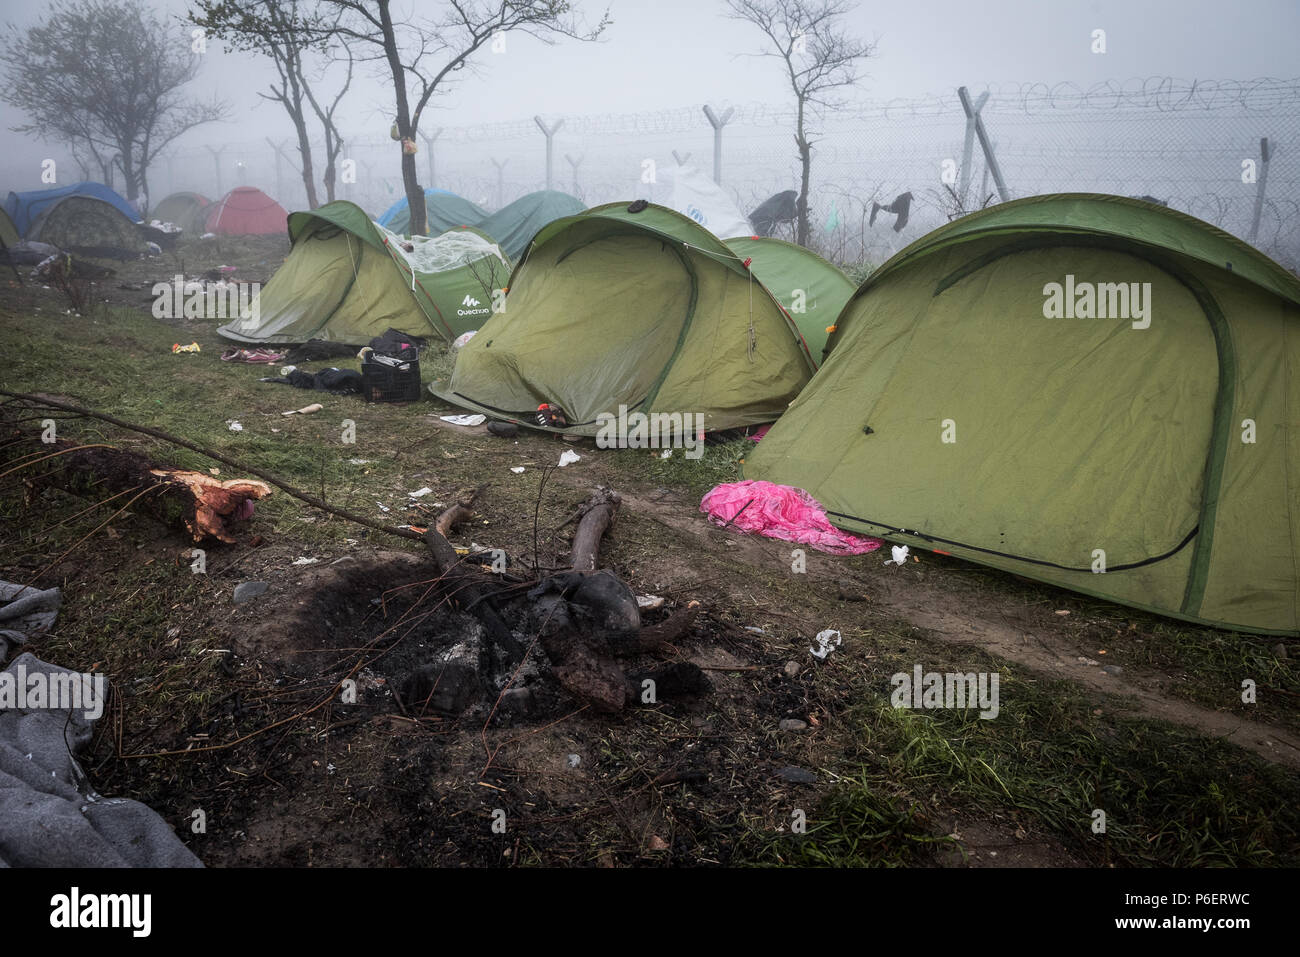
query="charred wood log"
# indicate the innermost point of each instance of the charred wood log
(471, 591)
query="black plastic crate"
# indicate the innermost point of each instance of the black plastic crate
(391, 383)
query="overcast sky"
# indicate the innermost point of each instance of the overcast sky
(666, 53)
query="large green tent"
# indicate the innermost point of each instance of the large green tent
(514, 225)
(348, 280)
(811, 289)
(9, 238)
(643, 309)
(975, 402)
(443, 211)
(189, 211)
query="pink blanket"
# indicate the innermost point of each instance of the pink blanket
(779, 511)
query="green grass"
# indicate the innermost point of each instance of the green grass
(1047, 763)
(1172, 797)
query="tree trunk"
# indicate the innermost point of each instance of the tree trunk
(304, 150)
(805, 160)
(414, 194)
(129, 176)
(805, 167)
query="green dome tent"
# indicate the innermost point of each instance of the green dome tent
(189, 211)
(9, 238)
(812, 290)
(348, 280)
(1091, 391)
(647, 310)
(514, 225)
(443, 210)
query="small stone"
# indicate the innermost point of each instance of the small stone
(793, 775)
(657, 843)
(518, 701)
(793, 724)
(848, 591)
(1112, 669)
(792, 668)
(247, 591)
(1279, 650)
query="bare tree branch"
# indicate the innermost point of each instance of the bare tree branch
(106, 74)
(818, 55)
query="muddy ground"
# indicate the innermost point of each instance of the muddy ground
(235, 710)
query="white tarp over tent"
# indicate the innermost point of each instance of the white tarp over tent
(694, 194)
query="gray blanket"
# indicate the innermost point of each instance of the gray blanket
(50, 816)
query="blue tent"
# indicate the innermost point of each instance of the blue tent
(25, 208)
(444, 210)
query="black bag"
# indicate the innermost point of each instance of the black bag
(394, 343)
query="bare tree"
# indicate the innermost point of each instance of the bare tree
(107, 75)
(819, 56)
(422, 53)
(291, 35)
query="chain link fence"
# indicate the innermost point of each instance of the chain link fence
(1195, 145)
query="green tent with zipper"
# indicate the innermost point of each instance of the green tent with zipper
(347, 280)
(638, 306)
(812, 290)
(514, 225)
(1091, 391)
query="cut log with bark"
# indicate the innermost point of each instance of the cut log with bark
(584, 618)
(595, 517)
(202, 506)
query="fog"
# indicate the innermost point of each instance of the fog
(637, 94)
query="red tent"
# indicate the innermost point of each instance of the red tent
(246, 211)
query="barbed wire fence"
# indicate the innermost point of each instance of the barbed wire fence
(1226, 151)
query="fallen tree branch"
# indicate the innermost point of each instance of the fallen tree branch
(311, 500)
(596, 517)
(177, 498)
(462, 511)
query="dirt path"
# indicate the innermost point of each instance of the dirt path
(994, 624)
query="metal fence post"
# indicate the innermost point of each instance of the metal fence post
(279, 177)
(1261, 181)
(682, 160)
(550, 143)
(575, 163)
(501, 166)
(428, 145)
(968, 146)
(990, 158)
(717, 125)
(216, 162)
